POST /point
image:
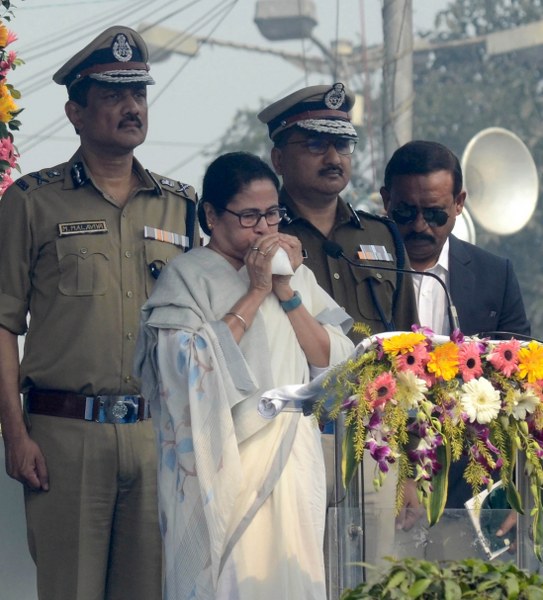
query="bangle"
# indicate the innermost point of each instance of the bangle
(240, 319)
(294, 302)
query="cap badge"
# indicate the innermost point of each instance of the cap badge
(121, 48)
(335, 97)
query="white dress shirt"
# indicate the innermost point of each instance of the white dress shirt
(431, 298)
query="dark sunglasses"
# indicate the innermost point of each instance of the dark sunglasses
(435, 217)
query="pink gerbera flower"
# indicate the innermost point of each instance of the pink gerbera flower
(469, 361)
(413, 360)
(381, 390)
(504, 357)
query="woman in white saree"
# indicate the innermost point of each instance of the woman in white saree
(241, 498)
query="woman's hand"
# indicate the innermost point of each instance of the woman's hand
(258, 261)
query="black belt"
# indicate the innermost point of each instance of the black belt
(102, 409)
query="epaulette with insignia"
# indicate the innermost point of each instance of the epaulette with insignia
(171, 185)
(37, 179)
(374, 216)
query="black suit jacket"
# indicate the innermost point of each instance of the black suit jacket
(486, 293)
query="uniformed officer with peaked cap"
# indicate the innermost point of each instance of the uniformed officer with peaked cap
(81, 244)
(313, 139)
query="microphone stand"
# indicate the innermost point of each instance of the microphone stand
(334, 250)
(357, 496)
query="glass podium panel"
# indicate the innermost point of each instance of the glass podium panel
(358, 542)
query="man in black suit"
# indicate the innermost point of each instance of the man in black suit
(423, 194)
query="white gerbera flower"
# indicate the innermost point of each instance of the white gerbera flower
(524, 402)
(410, 389)
(480, 400)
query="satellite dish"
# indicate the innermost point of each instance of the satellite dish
(501, 180)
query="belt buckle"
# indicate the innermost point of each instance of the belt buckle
(117, 409)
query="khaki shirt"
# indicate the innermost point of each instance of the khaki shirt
(79, 265)
(349, 285)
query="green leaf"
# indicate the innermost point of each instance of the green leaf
(513, 497)
(533, 593)
(396, 579)
(440, 482)
(452, 590)
(349, 463)
(419, 587)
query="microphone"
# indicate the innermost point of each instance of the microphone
(334, 250)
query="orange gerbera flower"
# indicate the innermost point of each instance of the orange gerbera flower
(7, 105)
(444, 361)
(4, 35)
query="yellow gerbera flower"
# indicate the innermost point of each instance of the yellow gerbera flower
(530, 362)
(444, 361)
(402, 343)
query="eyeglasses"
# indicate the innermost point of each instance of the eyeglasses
(251, 218)
(319, 145)
(435, 217)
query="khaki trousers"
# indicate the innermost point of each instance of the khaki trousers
(94, 535)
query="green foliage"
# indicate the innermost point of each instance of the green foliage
(452, 580)
(5, 12)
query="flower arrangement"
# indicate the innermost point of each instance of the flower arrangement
(8, 94)
(422, 401)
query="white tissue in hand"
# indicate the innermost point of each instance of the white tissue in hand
(281, 263)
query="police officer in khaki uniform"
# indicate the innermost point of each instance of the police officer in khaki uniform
(313, 139)
(81, 245)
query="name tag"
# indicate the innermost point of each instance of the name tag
(152, 233)
(77, 227)
(373, 252)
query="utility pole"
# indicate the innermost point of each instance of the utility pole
(397, 74)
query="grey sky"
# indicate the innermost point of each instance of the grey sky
(194, 100)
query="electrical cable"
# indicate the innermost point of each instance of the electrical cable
(227, 10)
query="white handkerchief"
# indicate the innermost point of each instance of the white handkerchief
(281, 263)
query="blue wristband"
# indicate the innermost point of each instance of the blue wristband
(291, 304)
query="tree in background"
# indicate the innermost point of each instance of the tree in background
(461, 90)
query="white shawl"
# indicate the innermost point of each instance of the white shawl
(204, 391)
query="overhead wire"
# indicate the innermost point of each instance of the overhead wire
(59, 123)
(226, 11)
(33, 84)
